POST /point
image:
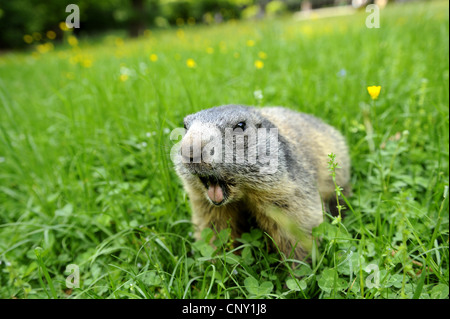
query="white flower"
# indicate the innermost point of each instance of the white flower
(127, 71)
(258, 95)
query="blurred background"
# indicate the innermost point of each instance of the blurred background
(25, 22)
(86, 117)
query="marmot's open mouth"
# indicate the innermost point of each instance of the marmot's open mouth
(216, 189)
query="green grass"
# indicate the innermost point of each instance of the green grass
(86, 178)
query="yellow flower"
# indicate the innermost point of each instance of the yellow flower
(63, 26)
(51, 35)
(72, 40)
(191, 63)
(250, 43)
(118, 41)
(87, 63)
(123, 77)
(153, 57)
(209, 50)
(307, 30)
(191, 21)
(44, 48)
(262, 55)
(41, 48)
(37, 36)
(28, 38)
(259, 64)
(180, 33)
(374, 91)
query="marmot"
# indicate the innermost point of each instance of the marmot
(284, 201)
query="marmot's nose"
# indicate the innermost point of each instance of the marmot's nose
(200, 138)
(191, 148)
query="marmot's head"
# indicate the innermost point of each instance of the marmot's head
(226, 151)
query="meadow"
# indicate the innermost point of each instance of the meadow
(86, 178)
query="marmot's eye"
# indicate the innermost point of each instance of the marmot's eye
(185, 126)
(240, 125)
